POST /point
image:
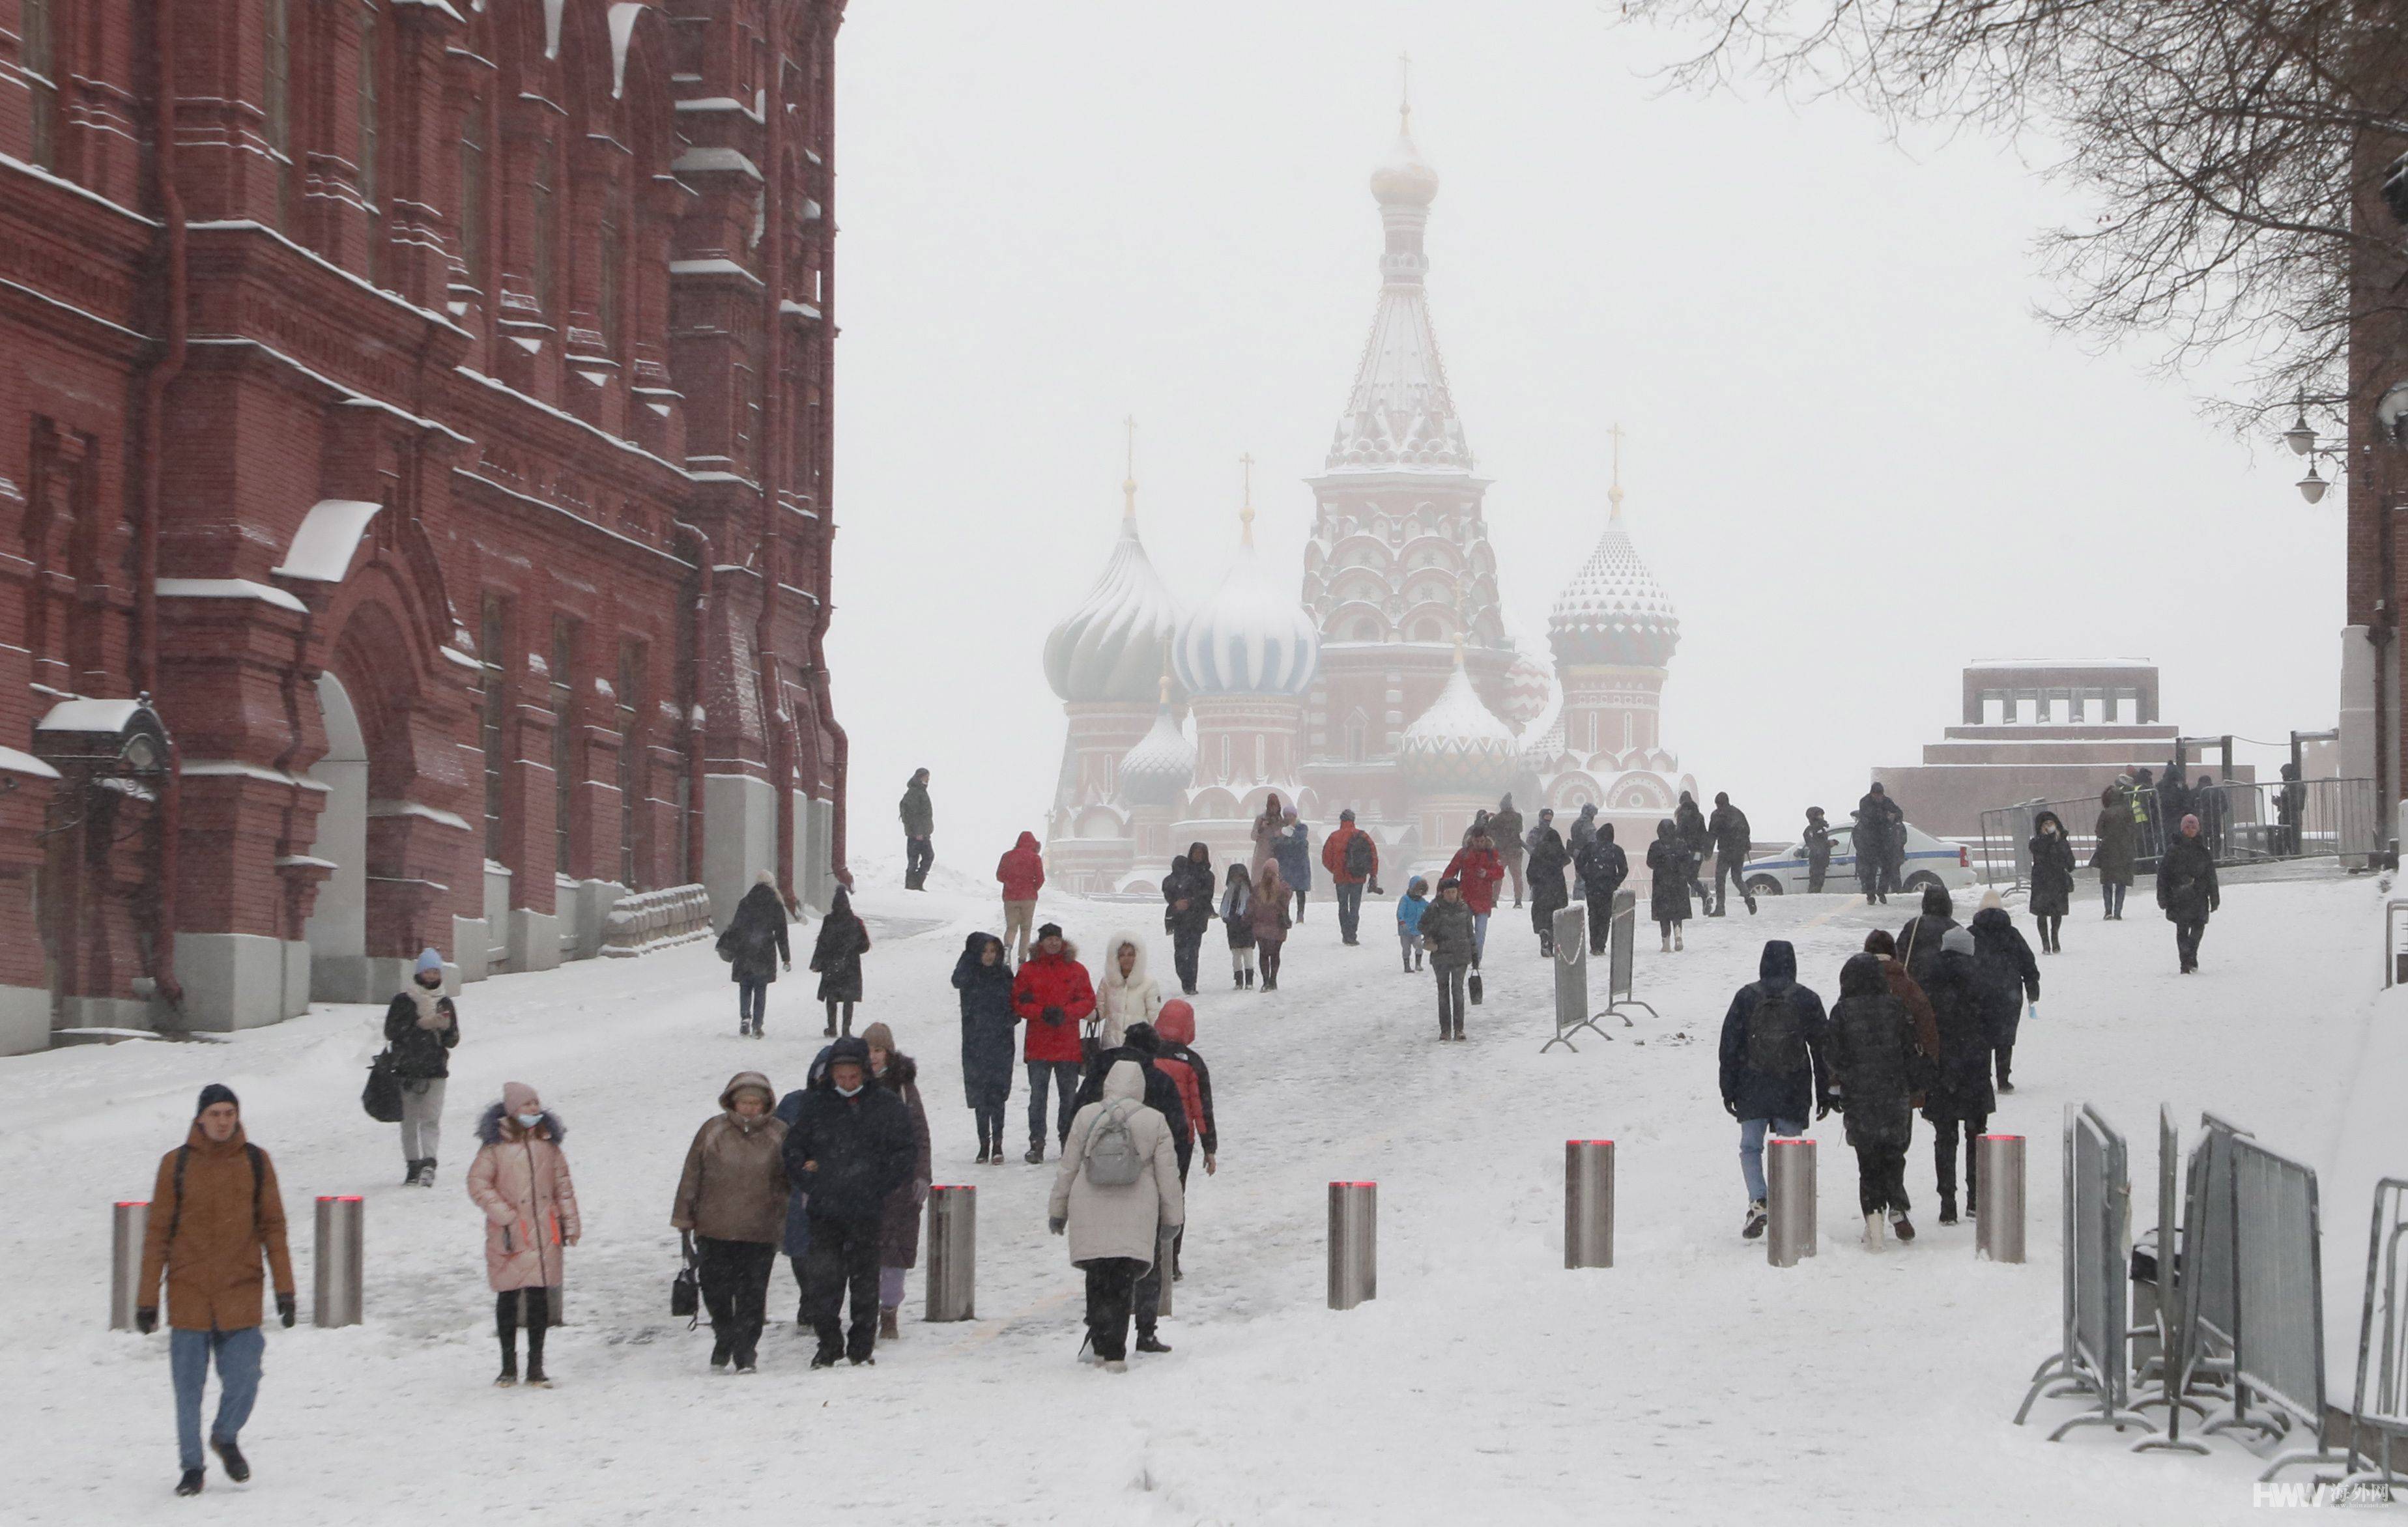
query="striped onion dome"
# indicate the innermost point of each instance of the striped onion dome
(1459, 744)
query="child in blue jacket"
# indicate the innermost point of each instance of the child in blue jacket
(1410, 908)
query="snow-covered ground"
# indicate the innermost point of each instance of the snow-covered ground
(1690, 1383)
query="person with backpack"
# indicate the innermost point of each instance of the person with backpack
(1410, 908)
(1353, 861)
(1450, 932)
(1126, 994)
(1959, 1100)
(1117, 1200)
(1238, 922)
(2010, 981)
(1188, 892)
(1918, 940)
(1582, 830)
(1271, 923)
(1053, 997)
(1875, 1062)
(1733, 840)
(919, 831)
(1602, 866)
(983, 978)
(844, 938)
(1143, 1045)
(1480, 872)
(1022, 872)
(2052, 878)
(216, 1215)
(755, 949)
(1177, 1059)
(521, 1181)
(2187, 891)
(898, 1233)
(1547, 860)
(421, 1026)
(1293, 852)
(1818, 850)
(850, 1148)
(1697, 841)
(731, 1199)
(1773, 1066)
(1668, 883)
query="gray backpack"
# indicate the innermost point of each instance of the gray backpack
(1112, 1158)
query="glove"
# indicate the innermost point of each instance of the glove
(1052, 1016)
(1823, 1109)
(1730, 1106)
(1056, 1225)
(285, 1308)
(2032, 1011)
(145, 1319)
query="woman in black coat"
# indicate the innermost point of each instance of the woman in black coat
(984, 977)
(1668, 883)
(1960, 1099)
(1602, 866)
(2010, 978)
(755, 947)
(2186, 890)
(2118, 846)
(837, 957)
(1545, 868)
(2052, 878)
(1875, 1067)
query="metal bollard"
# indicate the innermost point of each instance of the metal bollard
(1998, 1229)
(1789, 1182)
(953, 1252)
(335, 1299)
(1164, 1270)
(1588, 1203)
(129, 1222)
(1353, 1243)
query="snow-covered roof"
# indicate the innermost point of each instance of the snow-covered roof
(329, 537)
(2059, 662)
(228, 588)
(1112, 648)
(1613, 611)
(88, 716)
(1458, 742)
(14, 762)
(1153, 772)
(1248, 638)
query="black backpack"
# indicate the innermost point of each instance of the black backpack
(258, 1191)
(1776, 1043)
(1359, 855)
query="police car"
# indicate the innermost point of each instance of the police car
(1928, 863)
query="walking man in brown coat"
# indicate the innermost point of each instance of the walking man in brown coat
(214, 1212)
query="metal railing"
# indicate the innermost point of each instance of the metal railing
(2279, 1298)
(2092, 1360)
(2245, 823)
(2381, 1418)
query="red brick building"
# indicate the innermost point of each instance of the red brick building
(424, 403)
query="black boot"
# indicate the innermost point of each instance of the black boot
(230, 1458)
(509, 1376)
(410, 1178)
(1148, 1342)
(1947, 1208)
(190, 1484)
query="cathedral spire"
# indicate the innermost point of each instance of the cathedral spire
(1614, 494)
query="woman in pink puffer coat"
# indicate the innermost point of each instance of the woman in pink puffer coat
(521, 1179)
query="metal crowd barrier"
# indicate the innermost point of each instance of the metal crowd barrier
(2163, 1292)
(2382, 1418)
(1621, 947)
(2279, 1302)
(2092, 1361)
(1572, 979)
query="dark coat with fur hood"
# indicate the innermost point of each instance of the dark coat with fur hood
(898, 1228)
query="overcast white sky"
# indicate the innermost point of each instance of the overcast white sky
(1855, 458)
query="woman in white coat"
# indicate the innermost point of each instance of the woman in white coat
(1125, 994)
(1116, 1231)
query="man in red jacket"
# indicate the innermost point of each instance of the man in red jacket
(1022, 870)
(1052, 994)
(1477, 866)
(1349, 867)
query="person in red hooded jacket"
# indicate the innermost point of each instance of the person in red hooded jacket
(1479, 871)
(1053, 995)
(1022, 870)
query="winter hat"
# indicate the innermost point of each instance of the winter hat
(1416, 887)
(765, 878)
(1876, 790)
(518, 1098)
(1347, 815)
(1176, 1023)
(879, 1037)
(748, 1081)
(1722, 797)
(1546, 813)
(429, 960)
(1990, 899)
(1450, 883)
(1050, 930)
(1956, 941)
(850, 1048)
(1140, 1037)
(1936, 903)
(213, 1094)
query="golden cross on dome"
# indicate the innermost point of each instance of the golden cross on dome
(1614, 494)
(1405, 91)
(1246, 512)
(1128, 478)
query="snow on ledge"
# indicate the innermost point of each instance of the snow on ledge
(233, 768)
(624, 16)
(228, 588)
(413, 809)
(328, 539)
(88, 716)
(13, 761)
(709, 158)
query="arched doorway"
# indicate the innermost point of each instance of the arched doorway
(336, 930)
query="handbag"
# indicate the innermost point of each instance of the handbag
(1473, 987)
(382, 1096)
(685, 1290)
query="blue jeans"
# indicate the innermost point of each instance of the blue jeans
(1064, 1077)
(1479, 935)
(1350, 909)
(237, 1355)
(752, 1002)
(1751, 1149)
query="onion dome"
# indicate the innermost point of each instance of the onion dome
(1247, 638)
(1404, 178)
(1457, 744)
(1159, 767)
(1528, 686)
(1110, 648)
(1612, 612)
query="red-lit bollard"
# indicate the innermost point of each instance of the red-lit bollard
(1353, 1243)
(1588, 1203)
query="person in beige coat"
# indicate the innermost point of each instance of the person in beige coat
(1125, 994)
(1115, 1232)
(732, 1200)
(521, 1179)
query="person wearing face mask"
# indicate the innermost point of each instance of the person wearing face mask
(421, 1026)
(732, 1200)
(521, 1179)
(216, 1214)
(851, 1147)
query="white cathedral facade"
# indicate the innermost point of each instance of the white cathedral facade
(1390, 685)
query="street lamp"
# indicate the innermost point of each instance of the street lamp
(2302, 441)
